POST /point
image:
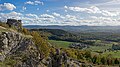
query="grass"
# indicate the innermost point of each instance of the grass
(103, 46)
(99, 48)
(62, 44)
(114, 54)
(2, 29)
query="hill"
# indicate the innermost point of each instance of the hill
(20, 47)
(78, 28)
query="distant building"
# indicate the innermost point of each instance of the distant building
(16, 23)
(78, 46)
(116, 47)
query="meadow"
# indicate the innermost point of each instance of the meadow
(62, 44)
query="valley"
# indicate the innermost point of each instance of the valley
(99, 42)
(59, 33)
(79, 48)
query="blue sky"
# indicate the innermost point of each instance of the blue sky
(62, 12)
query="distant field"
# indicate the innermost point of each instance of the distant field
(115, 54)
(102, 47)
(63, 44)
(99, 48)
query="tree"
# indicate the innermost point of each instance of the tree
(103, 60)
(116, 61)
(41, 43)
(25, 31)
(94, 59)
(108, 61)
(87, 54)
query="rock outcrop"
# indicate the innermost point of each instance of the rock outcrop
(16, 23)
(19, 48)
(60, 59)
(23, 50)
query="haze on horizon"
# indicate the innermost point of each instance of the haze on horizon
(62, 12)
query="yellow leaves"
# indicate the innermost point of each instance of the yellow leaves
(25, 31)
(40, 43)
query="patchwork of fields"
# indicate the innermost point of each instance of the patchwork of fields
(94, 49)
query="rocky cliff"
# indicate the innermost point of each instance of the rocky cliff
(19, 48)
(23, 51)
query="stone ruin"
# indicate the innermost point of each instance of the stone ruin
(16, 23)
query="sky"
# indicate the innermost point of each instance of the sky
(62, 12)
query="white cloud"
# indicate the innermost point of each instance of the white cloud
(47, 16)
(70, 16)
(107, 13)
(72, 20)
(56, 14)
(103, 21)
(66, 11)
(39, 2)
(34, 3)
(110, 2)
(47, 10)
(29, 2)
(13, 15)
(38, 9)
(7, 6)
(31, 16)
(59, 19)
(47, 19)
(65, 7)
(93, 10)
(24, 8)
